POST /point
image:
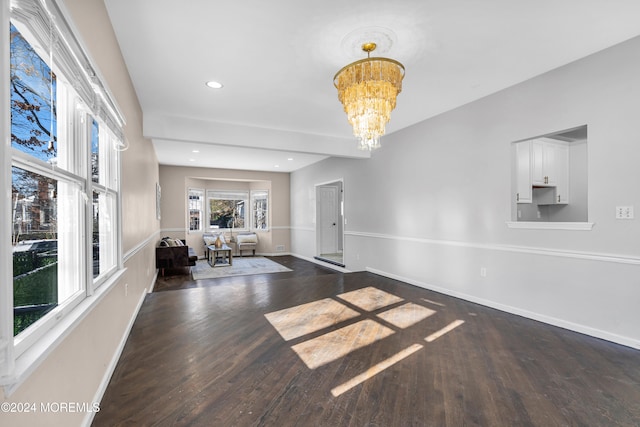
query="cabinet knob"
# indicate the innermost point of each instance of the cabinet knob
(517, 197)
(558, 198)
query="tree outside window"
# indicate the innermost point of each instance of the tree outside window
(33, 100)
(259, 209)
(227, 209)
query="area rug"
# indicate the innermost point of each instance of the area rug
(240, 267)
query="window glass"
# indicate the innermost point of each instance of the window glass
(95, 152)
(227, 209)
(33, 101)
(103, 241)
(35, 251)
(196, 201)
(45, 248)
(259, 202)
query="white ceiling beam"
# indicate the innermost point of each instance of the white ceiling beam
(156, 126)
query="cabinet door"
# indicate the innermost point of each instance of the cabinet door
(544, 164)
(537, 162)
(562, 174)
(549, 163)
(523, 172)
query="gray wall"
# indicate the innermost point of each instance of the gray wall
(430, 206)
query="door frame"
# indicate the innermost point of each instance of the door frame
(339, 184)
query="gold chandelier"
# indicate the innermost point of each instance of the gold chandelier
(368, 89)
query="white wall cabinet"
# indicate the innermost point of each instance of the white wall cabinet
(523, 173)
(562, 173)
(544, 165)
(542, 162)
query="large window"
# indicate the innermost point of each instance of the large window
(227, 209)
(64, 160)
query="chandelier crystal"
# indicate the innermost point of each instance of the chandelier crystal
(368, 89)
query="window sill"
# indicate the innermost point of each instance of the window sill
(533, 225)
(32, 357)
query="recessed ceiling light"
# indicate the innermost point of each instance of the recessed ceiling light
(192, 160)
(214, 85)
(276, 166)
(290, 158)
(195, 151)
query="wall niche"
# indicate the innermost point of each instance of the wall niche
(549, 178)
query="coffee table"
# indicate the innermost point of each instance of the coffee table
(220, 257)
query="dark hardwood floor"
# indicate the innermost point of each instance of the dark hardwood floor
(212, 353)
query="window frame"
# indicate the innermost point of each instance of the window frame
(34, 332)
(201, 209)
(47, 27)
(227, 195)
(262, 194)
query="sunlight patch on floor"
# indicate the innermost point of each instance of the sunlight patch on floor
(374, 370)
(450, 327)
(406, 315)
(433, 302)
(304, 319)
(334, 345)
(370, 298)
(327, 313)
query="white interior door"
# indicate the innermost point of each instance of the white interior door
(328, 219)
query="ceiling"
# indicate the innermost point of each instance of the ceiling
(278, 109)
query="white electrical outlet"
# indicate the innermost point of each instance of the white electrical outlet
(624, 212)
(483, 271)
(126, 289)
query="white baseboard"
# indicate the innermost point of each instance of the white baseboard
(153, 282)
(575, 327)
(273, 253)
(88, 419)
(324, 264)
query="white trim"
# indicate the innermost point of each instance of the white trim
(340, 240)
(330, 182)
(140, 246)
(592, 256)
(153, 281)
(324, 264)
(88, 419)
(533, 225)
(32, 357)
(272, 254)
(308, 229)
(6, 256)
(279, 227)
(576, 327)
(175, 230)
